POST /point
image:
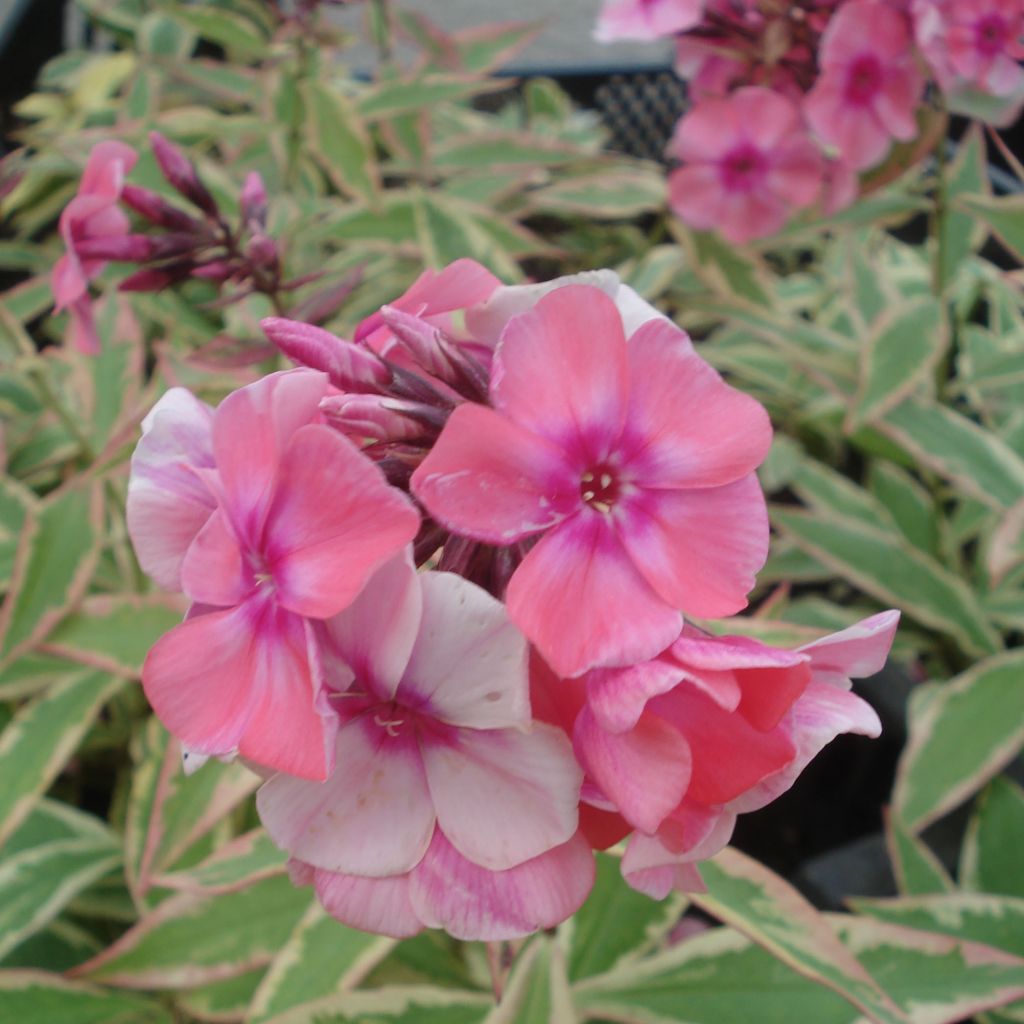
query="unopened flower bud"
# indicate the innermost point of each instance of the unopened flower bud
(348, 366)
(372, 417)
(254, 200)
(262, 252)
(123, 248)
(157, 210)
(181, 174)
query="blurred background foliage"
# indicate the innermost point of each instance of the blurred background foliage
(887, 343)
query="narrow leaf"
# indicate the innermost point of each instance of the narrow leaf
(990, 859)
(340, 142)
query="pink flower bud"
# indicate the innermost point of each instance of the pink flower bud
(374, 417)
(218, 270)
(420, 339)
(348, 366)
(262, 252)
(125, 248)
(254, 200)
(157, 210)
(181, 173)
(151, 280)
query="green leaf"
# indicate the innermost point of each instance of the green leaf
(902, 350)
(1003, 216)
(537, 987)
(990, 859)
(42, 736)
(396, 1004)
(502, 150)
(162, 36)
(36, 997)
(909, 504)
(447, 231)
(404, 96)
(238, 35)
(191, 940)
(114, 632)
(321, 958)
(16, 502)
(728, 269)
(36, 884)
(976, 460)
(934, 978)
(225, 1000)
(970, 728)
(967, 176)
(339, 141)
(718, 977)
(885, 566)
(57, 551)
(604, 194)
(917, 870)
(745, 894)
(594, 946)
(236, 864)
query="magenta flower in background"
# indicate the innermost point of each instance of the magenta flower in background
(92, 215)
(292, 522)
(870, 87)
(646, 19)
(748, 163)
(633, 464)
(447, 806)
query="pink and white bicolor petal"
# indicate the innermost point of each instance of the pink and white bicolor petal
(168, 503)
(381, 905)
(468, 665)
(503, 796)
(373, 816)
(855, 652)
(472, 903)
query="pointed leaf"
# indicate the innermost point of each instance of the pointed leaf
(339, 141)
(918, 871)
(990, 860)
(36, 997)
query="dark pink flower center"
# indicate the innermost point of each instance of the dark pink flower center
(991, 33)
(600, 488)
(864, 79)
(742, 168)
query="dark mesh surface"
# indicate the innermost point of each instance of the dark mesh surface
(641, 110)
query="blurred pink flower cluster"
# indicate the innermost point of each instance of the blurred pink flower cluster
(791, 101)
(443, 581)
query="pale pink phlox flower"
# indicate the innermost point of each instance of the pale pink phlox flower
(748, 164)
(870, 86)
(300, 520)
(92, 214)
(806, 703)
(645, 20)
(447, 807)
(973, 43)
(633, 464)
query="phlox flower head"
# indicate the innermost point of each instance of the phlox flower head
(622, 471)
(92, 215)
(646, 19)
(748, 164)
(869, 87)
(447, 807)
(268, 520)
(675, 747)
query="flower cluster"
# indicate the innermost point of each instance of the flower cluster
(200, 243)
(793, 101)
(443, 581)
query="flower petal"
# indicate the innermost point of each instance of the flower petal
(644, 772)
(214, 571)
(380, 905)
(560, 371)
(469, 663)
(372, 817)
(474, 904)
(492, 480)
(167, 502)
(250, 430)
(374, 636)
(332, 522)
(578, 597)
(855, 652)
(240, 680)
(503, 796)
(618, 696)
(699, 549)
(685, 426)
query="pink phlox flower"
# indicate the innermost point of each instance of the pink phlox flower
(870, 87)
(646, 19)
(447, 807)
(714, 726)
(92, 214)
(748, 164)
(633, 465)
(299, 521)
